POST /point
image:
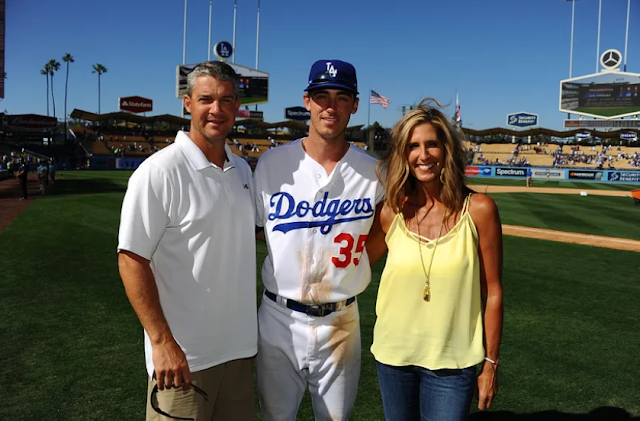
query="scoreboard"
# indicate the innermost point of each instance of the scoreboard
(609, 95)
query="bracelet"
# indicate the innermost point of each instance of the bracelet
(492, 361)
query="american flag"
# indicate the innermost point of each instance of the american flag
(376, 98)
(458, 115)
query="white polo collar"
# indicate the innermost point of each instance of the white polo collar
(195, 155)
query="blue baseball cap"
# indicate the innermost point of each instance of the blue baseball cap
(333, 74)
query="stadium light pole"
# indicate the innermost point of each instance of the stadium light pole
(258, 37)
(258, 42)
(184, 35)
(209, 45)
(626, 37)
(235, 6)
(573, 16)
(598, 47)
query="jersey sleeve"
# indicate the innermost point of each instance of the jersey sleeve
(379, 193)
(145, 211)
(258, 197)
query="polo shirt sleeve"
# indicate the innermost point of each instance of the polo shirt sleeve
(145, 211)
(259, 199)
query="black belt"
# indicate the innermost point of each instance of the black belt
(316, 310)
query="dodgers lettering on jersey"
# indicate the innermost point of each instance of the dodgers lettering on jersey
(283, 206)
(316, 224)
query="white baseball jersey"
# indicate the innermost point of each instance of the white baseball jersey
(316, 224)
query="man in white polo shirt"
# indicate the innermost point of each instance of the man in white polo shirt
(187, 261)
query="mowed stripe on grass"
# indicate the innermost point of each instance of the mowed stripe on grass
(72, 346)
(592, 215)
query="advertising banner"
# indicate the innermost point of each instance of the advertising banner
(510, 172)
(135, 104)
(550, 173)
(474, 171)
(601, 124)
(257, 115)
(628, 136)
(32, 120)
(522, 119)
(297, 113)
(585, 175)
(624, 176)
(128, 163)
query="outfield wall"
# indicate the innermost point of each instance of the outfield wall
(555, 174)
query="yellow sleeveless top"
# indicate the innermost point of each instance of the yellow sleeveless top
(446, 332)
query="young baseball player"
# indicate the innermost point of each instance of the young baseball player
(316, 198)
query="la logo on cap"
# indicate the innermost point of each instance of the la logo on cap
(331, 70)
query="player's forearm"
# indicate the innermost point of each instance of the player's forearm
(142, 291)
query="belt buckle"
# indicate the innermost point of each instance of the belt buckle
(320, 310)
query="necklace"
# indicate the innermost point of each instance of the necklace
(426, 292)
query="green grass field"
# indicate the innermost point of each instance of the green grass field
(71, 346)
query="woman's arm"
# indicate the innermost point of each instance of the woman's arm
(375, 244)
(487, 220)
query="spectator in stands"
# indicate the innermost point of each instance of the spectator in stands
(189, 276)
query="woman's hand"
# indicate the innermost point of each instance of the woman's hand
(487, 385)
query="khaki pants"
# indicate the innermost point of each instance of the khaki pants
(229, 387)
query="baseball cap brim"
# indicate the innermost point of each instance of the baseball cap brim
(328, 85)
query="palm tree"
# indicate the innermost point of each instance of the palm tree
(99, 69)
(45, 72)
(54, 66)
(67, 58)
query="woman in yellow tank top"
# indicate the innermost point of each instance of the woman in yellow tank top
(439, 304)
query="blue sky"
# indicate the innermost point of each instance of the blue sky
(501, 56)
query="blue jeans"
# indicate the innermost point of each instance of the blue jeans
(415, 393)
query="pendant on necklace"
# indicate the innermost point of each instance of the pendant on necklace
(426, 293)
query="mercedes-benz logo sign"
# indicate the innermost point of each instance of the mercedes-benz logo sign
(611, 59)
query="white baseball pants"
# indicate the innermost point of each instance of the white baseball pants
(295, 350)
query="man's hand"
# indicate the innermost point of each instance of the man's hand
(487, 385)
(171, 367)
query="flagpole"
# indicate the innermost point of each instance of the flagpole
(235, 5)
(184, 35)
(209, 45)
(626, 37)
(598, 44)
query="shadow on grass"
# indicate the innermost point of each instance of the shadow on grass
(70, 187)
(605, 413)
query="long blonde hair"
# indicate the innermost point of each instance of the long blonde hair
(394, 172)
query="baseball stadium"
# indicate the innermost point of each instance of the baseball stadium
(72, 347)
(570, 272)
